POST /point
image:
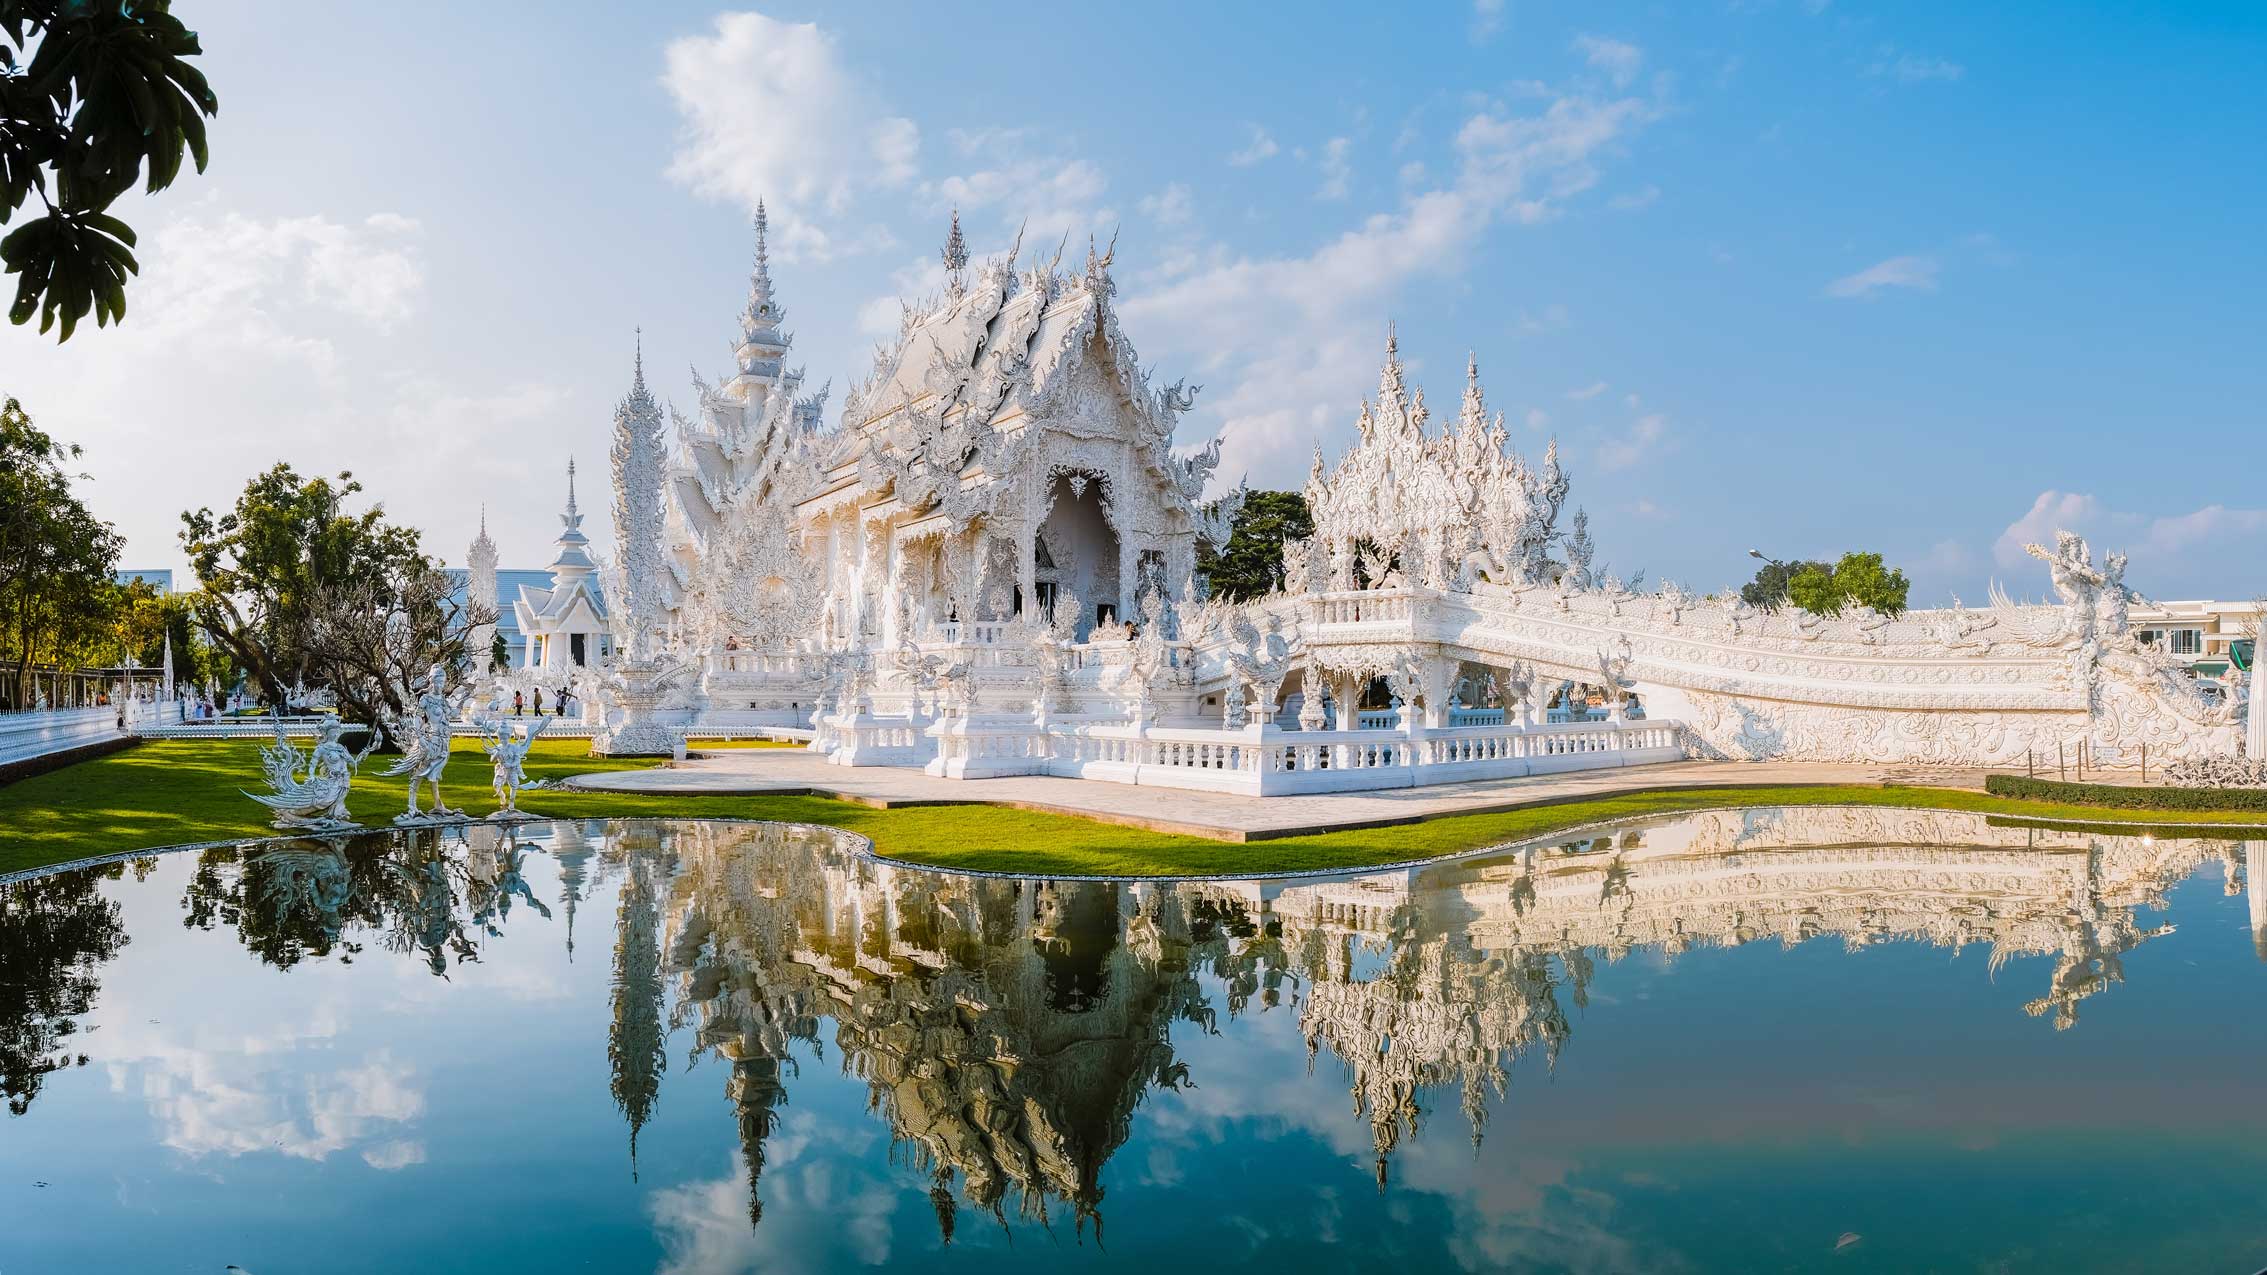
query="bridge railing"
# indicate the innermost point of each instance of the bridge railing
(1267, 760)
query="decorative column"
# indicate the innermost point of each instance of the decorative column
(1027, 566)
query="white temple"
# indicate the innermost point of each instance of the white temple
(987, 566)
(565, 625)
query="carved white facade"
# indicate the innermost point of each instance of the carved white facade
(565, 625)
(988, 567)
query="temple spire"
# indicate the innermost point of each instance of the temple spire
(759, 283)
(955, 252)
(759, 353)
(573, 515)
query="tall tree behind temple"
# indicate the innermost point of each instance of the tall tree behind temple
(55, 934)
(1251, 565)
(635, 1041)
(296, 588)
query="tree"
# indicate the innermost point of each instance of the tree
(57, 600)
(1251, 565)
(1859, 579)
(56, 934)
(1768, 591)
(297, 590)
(372, 639)
(105, 93)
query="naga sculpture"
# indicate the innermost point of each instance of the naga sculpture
(308, 792)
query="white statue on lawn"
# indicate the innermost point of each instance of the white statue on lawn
(425, 748)
(309, 792)
(508, 747)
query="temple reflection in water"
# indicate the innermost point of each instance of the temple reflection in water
(1008, 1030)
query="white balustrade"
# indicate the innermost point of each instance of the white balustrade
(39, 732)
(1266, 760)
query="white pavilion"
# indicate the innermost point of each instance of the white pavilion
(564, 626)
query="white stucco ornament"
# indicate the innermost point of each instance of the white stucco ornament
(988, 565)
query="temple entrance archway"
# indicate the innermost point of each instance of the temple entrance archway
(1076, 550)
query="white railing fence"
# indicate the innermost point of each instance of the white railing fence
(39, 732)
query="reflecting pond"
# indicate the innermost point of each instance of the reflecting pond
(1749, 1041)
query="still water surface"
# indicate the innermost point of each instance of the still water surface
(1831, 1040)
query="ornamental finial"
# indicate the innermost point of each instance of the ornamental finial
(571, 510)
(956, 248)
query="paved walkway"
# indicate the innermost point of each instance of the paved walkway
(782, 771)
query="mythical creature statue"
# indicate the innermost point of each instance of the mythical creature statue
(1518, 691)
(309, 792)
(1613, 672)
(1259, 652)
(425, 745)
(508, 747)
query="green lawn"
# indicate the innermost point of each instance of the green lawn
(170, 792)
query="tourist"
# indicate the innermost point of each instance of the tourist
(519, 704)
(539, 701)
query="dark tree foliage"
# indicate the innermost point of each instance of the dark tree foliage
(1768, 590)
(95, 95)
(1251, 565)
(416, 896)
(58, 601)
(56, 933)
(298, 590)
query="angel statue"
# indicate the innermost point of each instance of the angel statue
(508, 748)
(425, 747)
(310, 792)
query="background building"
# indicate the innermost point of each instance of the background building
(2206, 636)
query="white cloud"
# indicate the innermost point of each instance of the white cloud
(1592, 390)
(1917, 273)
(1620, 61)
(1913, 68)
(292, 338)
(1260, 147)
(1636, 199)
(1643, 440)
(770, 112)
(1017, 176)
(1337, 171)
(1288, 342)
(1537, 418)
(2184, 551)
(1487, 20)
(1171, 206)
(920, 277)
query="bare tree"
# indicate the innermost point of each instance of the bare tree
(373, 640)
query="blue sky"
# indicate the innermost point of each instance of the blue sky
(1918, 278)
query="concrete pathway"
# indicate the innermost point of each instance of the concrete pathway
(783, 771)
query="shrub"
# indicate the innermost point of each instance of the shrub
(2125, 796)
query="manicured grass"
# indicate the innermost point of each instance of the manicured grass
(173, 791)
